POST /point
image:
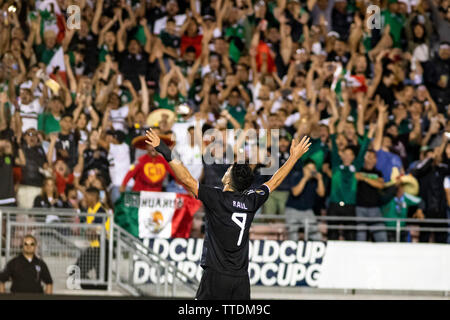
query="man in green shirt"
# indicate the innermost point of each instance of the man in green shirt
(395, 21)
(49, 121)
(399, 207)
(46, 50)
(172, 93)
(169, 102)
(235, 108)
(344, 166)
(235, 37)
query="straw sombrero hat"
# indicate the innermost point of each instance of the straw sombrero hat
(410, 184)
(155, 117)
(139, 142)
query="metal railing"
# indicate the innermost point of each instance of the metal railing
(93, 254)
(112, 258)
(130, 250)
(360, 224)
(72, 250)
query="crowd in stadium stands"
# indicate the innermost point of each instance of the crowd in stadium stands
(371, 89)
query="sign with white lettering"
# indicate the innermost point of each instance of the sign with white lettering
(271, 263)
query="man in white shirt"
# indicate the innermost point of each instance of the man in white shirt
(29, 108)
(190, 154)
(117, 114)
(119, 161)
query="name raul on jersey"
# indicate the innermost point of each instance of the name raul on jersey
(239, 205)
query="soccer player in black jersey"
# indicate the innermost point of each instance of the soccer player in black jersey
(229, 216)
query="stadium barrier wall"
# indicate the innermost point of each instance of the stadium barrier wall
(386, 266)
(327, 265)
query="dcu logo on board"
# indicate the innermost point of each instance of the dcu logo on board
(271, 263)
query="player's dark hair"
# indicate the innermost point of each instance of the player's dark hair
(241, 176)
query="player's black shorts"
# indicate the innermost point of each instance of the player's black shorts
(217, 286)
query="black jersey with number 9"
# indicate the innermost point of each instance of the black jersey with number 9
(228, 219)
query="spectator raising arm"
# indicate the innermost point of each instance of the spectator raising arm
(145, 106)
(122, 35)
(68, 39)
(165, 82)
(286, 40)
(105, 29)
(182, 82)
(361, 110)
(97, 16)
(148, 35)
(345, 111)
(382, 110)
(131, 14)
(229, 117)
(3, 101)
(69, 73)
(378, 75)
(359, 160)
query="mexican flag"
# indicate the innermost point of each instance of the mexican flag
(52, 18)
(57, 63)
(342, 78)
(156, 214)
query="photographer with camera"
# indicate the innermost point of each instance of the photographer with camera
(307, 187)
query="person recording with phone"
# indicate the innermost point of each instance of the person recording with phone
(307, 186)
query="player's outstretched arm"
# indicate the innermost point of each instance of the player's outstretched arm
(177, 166)
(298, 149)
